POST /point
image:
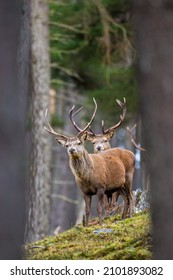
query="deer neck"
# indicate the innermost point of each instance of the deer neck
(81, 164)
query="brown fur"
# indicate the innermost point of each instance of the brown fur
(97, 174)
(128, 160)
(101, 143)
(97, 170)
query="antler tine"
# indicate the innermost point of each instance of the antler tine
(46, 119)
(122, 117)
(103, 123)
(91, 120)
(71, 115)
(123, 106)
(131, 130)
(132, 139)
(75, 113)
(91, 131)
(51, 130)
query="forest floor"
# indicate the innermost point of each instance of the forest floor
(128, 239)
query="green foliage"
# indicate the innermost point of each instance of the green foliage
(55, 121)
(121, 84)
(130, 239)
(121, 6)
(91, 41)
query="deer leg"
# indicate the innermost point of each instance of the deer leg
(126, 202)
(87, 208)
(100, 196)
(130, 204)
(111, 201)
(128, 187)
(114, 198)
(106, 203)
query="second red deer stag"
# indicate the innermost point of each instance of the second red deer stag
(95, 174)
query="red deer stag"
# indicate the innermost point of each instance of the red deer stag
(95, 174)
(101, 143)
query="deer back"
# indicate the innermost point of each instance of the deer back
(108, 169)
(93, 171)
(127, 157)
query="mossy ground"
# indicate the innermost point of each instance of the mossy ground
(130, 239)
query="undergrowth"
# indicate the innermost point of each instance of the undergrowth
(129, 239)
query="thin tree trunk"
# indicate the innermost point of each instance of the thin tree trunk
(153, 22)
(39, 190)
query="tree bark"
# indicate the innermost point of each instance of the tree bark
(14, 57)
(153, 23)
(39, 190)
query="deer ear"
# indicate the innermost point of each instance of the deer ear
(110, 134)
(62, 142)
(84, 136)
(90, 137)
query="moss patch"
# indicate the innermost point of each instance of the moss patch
(130, 239)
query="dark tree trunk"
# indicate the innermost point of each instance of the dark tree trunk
(13, 93)
(153, 23)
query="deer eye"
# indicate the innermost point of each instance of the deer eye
(66, 145)
(94, 142)
(78, 143)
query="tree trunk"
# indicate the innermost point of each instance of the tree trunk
(153, 23)
(39, 190)
(13, 93)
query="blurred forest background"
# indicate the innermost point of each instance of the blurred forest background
(92, 54)
(66, 53)
(69, 52)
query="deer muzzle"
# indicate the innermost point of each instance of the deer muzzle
(72, 150)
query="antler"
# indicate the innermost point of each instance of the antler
(91, 120)
(132, 138)
(71, 114)
(51, 130)
(123, 106)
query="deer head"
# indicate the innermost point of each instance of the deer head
(101, 141)
(74, 144)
